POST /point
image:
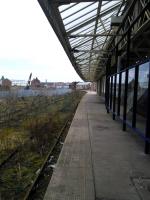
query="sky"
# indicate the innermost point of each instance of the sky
(28, 44)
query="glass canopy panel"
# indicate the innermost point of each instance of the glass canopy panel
(84, 28)
(83, 24)
(121, 10)
(87, 25)
(83, 43)
(109, 4)
(73, 9)
(87, 31)
(80, 11)
(66, 7)
(79, 20)
(80, 40)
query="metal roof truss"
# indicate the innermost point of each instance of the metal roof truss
(84, 28)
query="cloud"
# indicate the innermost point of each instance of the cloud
(28, 43)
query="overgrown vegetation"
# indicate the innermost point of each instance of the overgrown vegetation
(29, 125)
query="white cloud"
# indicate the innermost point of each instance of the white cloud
(27, 37)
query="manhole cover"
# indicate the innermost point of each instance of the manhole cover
(143, 187)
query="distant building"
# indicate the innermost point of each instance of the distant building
(55, 85)
(35, 83)
(19, 82)
(83, 86)
(5, 83)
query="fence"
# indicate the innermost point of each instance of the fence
(128, 98)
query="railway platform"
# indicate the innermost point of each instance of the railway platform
(98, 160)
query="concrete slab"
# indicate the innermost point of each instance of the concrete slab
(98, 160)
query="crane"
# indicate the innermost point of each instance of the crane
(29, 82)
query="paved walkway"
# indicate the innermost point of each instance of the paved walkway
(98, 160)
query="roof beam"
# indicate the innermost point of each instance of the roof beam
(94, 35)
(90, 51)
(62, 2)
(95, 30)
(80, 60)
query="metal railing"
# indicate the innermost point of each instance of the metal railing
(128, 98)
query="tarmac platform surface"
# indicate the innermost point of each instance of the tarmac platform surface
(98, 160)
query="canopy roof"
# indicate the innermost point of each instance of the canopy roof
(84, 29)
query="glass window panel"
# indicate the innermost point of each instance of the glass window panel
(117, 92)
(113, 84)
(110, 92)
(103, 86)
(130, 94)
(142, 96)
(122, 94)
